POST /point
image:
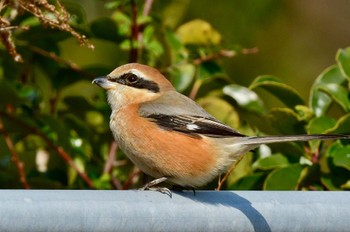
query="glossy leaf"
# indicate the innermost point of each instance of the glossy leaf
(343, 59)
(328, 182)
(245, 98)
(286, 178)
(208, 70)
(72, 174)
(320, 101)
(251, 182)
(288, 95)
(220, 109)
(334, 181)
(341, 157)
(346, 186)
(182, 76)
(304, 113)
(285, 121)
(319, 126)
(271, 162)
(342, 126)
(198, 32)
(338, 93)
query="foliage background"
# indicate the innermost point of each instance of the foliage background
(54, 122)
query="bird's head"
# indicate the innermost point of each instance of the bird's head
(133, 84)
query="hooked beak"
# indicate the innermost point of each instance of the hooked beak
(104, 83)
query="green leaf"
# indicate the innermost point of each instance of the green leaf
(285, 121)
(343, 59)
(328, 182)
(123, 21)
(320, 101)
(335, 181)
(319, 126)
(198, 32)
(288, 95)
(286, 178)
(346, 186)
(72, 174)
(245, 98)
(173, 41)
(304, 112)
(208, 70)
(310, 177)
(252, 182)
(338, 93)
(341, 157)
(271, 162)
(342, 126)
(182, 76)
(221, 110)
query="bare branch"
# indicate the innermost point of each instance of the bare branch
(15, 157)
(66, 157)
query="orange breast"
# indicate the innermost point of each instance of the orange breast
(159, 152)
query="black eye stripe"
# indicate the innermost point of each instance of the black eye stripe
(135, 81)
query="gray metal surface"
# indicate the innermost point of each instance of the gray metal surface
(74, 210)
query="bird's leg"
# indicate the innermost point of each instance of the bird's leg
(149, 186)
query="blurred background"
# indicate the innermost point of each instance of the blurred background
(296, 39)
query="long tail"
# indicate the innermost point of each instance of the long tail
(291, 138)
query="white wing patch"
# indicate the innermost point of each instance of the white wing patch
(192, 127)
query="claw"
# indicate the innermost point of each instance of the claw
(163, 190)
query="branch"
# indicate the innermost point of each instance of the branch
(111, 157)
(134, 33)
(58, 59)
(147, 7)
(15, 158)
(224, 53)
(131, 178)
(65, 156)
(227, 174)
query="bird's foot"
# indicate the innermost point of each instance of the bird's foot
(149, 186)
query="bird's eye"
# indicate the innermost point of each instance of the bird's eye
(132, 78)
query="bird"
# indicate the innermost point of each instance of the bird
(169, 136)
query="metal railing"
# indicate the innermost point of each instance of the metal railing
(94, 210)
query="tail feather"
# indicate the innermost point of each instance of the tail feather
(291, 138)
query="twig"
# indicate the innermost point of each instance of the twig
(214, 56)
(111, 157)
(147, 7)
(70, 161)
(133, 57)
(224, 53)
(197, 84)
(6, 39)
(221, 181)
(15, 157)
(58, 149)
(56, 58)
(135, 173)
(116, 183)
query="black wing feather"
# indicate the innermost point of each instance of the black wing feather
(193, 125)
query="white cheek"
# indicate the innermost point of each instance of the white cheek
(115, 99)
